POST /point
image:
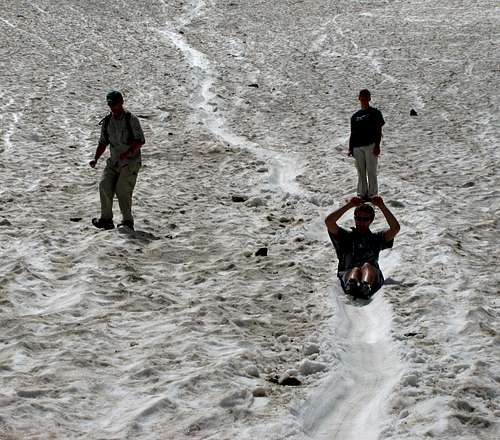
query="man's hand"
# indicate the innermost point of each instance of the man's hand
(377, 201)
(376, 150)
(101, 148)
(394, 227)
(331, 220)
(355, 201)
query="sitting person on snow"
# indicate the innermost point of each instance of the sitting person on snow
(358, 249)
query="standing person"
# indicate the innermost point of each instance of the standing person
(358, 249)
(364, 144)
(122, 131)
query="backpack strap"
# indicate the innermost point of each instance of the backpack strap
(105, 123)
(128, 116)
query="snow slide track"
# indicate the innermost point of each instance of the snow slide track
(350, 405)
(283, 167)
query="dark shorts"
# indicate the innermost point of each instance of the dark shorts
(379, 282)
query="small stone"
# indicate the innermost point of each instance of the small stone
(260, 392)
(290, 381)
(75, 219)
(255, 85)
(289, 378)
(261, 252)
(413, 112)
(239, 199)
(395, 204)
(283, 339)
(253, 371)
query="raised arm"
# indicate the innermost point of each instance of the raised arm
(389, 217)
(331, 219)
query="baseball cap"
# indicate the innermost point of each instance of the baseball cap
(114, 97)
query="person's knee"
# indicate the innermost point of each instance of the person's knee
(105, 188)
(354, 273)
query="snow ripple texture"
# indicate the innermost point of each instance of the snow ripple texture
(179, 330)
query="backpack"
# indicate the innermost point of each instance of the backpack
(105, 122)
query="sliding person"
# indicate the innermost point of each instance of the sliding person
(358, 250)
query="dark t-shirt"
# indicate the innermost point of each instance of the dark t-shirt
(353, 249)
(365, 126)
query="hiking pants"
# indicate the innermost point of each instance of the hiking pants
(119, 180)
(366, 164)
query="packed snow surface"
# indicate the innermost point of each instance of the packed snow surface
(179, 330)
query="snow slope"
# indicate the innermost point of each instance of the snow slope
(179, 330)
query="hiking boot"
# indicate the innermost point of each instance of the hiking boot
(351, 287)
(365, 289)
(126, 224)
(102, 223)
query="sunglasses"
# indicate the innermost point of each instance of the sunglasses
(359, 218)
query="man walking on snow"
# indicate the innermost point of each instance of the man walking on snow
(358, 249)
(122, 131)
(364, 144)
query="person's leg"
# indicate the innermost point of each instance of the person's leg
(355, 275)
(371, 170)
(359, 157)
(107, 188)
(124, 190)
(352, 282)
(369, 274)
(376, 279)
